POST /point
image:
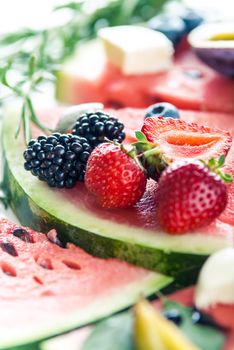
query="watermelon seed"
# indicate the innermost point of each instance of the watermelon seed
(53, 238)
(9, 248)
(114, 104)
(45, 263)
(8, 269)
(71, 265)
(38, 280)
(22, 234)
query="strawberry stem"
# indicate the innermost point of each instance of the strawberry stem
(215, 165)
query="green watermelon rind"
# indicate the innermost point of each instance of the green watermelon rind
(36, 205)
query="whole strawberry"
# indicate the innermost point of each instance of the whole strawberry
(114, 177)
(190, 195)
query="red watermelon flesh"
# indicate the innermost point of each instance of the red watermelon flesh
(143, 214)
(42, 283)
(222, 314)
(189, 84)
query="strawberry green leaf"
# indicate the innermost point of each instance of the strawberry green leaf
(221, 160)
(140, 136)
(227, 178)
(212, 163)
(204, 336)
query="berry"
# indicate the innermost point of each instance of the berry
(202, 318)
(189, 196)
(191, 19)
(173, 27)
(114, 177)
(59, 160)
(164, 109)
(164, 140)
(97, 127)
(173, 315)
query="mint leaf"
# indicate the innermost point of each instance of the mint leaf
(140, 136)
(205, 337)
(115, 333)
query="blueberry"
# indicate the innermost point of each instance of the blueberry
(173, 315)
(164, 109)
(191, 19)
(202, 318)
(173, 27)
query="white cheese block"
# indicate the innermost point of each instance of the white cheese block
(136, 49)
(216, 280)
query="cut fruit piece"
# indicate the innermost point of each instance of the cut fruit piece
(214, 45)
(178, 139)
(146, 333)
(151, 326)
(189, 84)
(131, 234)
(60, 286)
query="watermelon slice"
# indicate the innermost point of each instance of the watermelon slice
(131, 234)
(189, 84)
(64, 287)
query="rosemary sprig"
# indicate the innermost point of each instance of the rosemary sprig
(29, 58)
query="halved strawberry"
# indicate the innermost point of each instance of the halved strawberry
(178, 139)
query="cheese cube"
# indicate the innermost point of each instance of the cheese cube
(136, 49)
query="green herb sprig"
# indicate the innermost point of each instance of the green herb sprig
(29, 58)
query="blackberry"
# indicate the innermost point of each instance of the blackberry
(98, 126)
(60, 160)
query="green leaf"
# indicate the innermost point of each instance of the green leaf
(73, 5)
(4, 72)
(227, 178)
(114, 333)
(33, 115)
(26, 123)
(31, 65)
(221, 160)
(212, 163)
(205, 337)
(12, 38)
(140, 136)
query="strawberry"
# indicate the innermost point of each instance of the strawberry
(190, 195)
(178, 139)
(114, 177)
